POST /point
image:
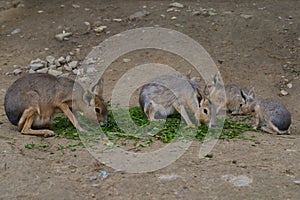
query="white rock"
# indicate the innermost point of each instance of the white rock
(117, 20)
(173, 18)
(91, 70)
(168, 178)
(50, 60)
(126, 60)
(73, 64)
(61, 60)
(139, 14)
(68, 58)
(36, 66)
(68, 68)
(75, 71)
(289, 85)
(54, 72)
(75, 6)
(246, 16)
(31, 71)
(173, 10)
(283, 92)
(176, 4)
(63, 36)
(43, 70)
(100, 29)
(52, 66)
(36, 61)
(40, 11)
(17, 71)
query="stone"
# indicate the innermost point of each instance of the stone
(117, 20)
(31, 71)
(68, 68)
(139, 14)
(73, 64)
(43, 70)
(54, 72)
(289, 85)
(91, 70)
(75, 6)
(173, 18)
(50, 60)
(126, 60)
(68, 58)
(36, 66)
(283, 92)
(176, 5)
(100, 29)
(168, 178)
(52, 66)
(61, 60)
(63, 36)
(246, 16)
(17, 30)
(17, 71)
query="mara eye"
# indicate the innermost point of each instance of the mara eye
(205, 111)
(97, 110)
(241, 105)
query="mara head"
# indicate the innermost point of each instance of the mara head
(95, 107)
(206, 113)
(248, 99)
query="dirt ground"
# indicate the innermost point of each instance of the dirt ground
(254, 43)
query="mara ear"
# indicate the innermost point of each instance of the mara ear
(188, 74)
(251, 93)
(244, 95)
(97, 89)
(206, 89)
(200, 96)
(88, 97)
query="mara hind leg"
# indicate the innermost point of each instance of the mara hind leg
(26, 121)
(271, 128)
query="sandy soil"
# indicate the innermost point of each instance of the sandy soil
(261, 51)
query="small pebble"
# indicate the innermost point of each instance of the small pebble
(17, 30)
(61, 60)
(95, 185)
(103, 175)
(168, 178)
(43, 70)
(297, 182)
(93, 178)
(36, 66)
(176, 4)
(126, 60)
(173, 18)
(17, 71)
(75, 6)
(117, 20)
(100, 29)
(55, 72)
(283, 92)
(67, 68)
(63, 36)
(289, 85)
(246, 16)
(50, 60)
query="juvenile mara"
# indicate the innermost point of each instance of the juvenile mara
(32, 100)
(270, 112)
(166, 94)
(227, 96)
